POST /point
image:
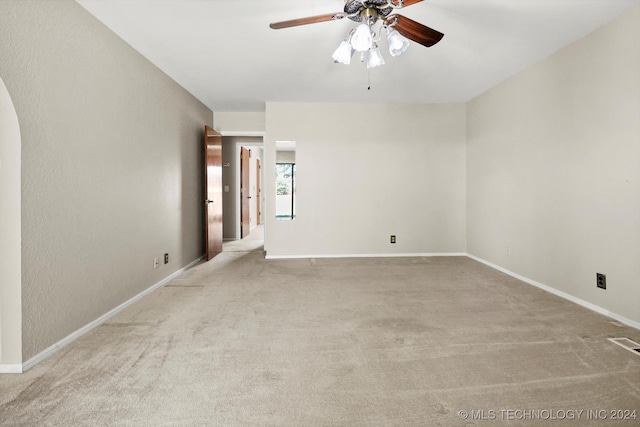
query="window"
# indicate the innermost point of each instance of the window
(285, 191)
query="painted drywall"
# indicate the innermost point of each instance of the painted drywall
(285, 156)
(240, 123)
(111, 167)
(553, 177)
(10, 261)
(365, 172)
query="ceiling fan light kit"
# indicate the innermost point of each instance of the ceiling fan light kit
(364, 39)
(397, 42)
(343, 53)
(373, 57)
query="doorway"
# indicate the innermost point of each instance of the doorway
(248, 191)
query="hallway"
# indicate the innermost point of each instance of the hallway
(254, 241)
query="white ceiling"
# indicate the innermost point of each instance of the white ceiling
(225, 54)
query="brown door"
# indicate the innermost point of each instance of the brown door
(213, 192)
(258, 190)
(245, 193)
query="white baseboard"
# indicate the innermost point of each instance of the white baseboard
(100, 320)
(395, 255)
(14, 368)
(561, 294)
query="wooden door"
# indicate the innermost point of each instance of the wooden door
(245, 193)
(213, 192)
(258, 191)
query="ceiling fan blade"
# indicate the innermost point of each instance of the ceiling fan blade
(406, 3)
(414, 30)
(308, 20)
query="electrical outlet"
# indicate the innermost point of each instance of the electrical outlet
(601, 281)
(156, 261)
(166, 258)
(393, 238)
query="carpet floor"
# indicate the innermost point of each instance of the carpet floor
(242, 340)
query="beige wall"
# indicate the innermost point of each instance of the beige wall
(285, 156)
(364, 172)
(111, 167)
(553, 177)
(10, 259)
(240, 123)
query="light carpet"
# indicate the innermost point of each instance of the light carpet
(242, 340)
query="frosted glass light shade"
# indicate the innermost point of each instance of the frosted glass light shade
(362, 39)
(397, 42)
(343, 53)
(374, 58)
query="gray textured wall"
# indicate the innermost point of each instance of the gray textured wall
(111, 167)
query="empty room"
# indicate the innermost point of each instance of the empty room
(319, 213)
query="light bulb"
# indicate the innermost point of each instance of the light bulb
(362, 39)
(374, 57)
(397, 42)
(343, 53)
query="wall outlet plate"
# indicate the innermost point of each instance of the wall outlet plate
(166, 258)
(393, 238)
(601, 280)
(156, 261)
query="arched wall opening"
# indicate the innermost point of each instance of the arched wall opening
(10, 236)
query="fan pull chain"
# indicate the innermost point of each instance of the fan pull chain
(368, 79)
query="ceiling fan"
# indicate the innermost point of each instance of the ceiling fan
(363, 38)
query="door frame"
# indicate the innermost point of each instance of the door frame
(259, 190)
(238, 202)
(245, 191)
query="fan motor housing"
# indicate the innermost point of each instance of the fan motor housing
(367, 11)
